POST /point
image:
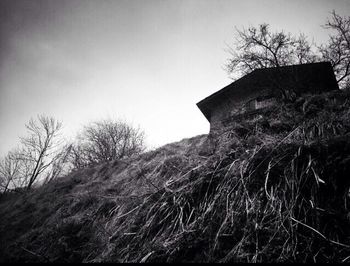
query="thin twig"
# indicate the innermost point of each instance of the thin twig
(320, 234)
(35, 254)
(128, 212)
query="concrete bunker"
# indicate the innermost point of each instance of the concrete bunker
(265, 87)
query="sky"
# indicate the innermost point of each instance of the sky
(147, 62)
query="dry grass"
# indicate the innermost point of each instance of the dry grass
(270, 188)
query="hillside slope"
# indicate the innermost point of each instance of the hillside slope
(271, 187)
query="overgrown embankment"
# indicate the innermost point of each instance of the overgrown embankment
(268, 188)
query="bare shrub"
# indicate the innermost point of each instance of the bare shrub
(105, 141)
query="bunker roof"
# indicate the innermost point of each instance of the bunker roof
(311, 77)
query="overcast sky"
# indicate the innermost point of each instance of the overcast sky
(148, 62)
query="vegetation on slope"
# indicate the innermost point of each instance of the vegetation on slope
(270, 187)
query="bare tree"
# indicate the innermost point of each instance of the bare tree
(40, 148)
(9, 172)
(79, 157)
(337, 50)
(106, 140)
(59, 166)
(260, 48)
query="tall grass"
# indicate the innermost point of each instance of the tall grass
(269, 188)
(266, 207)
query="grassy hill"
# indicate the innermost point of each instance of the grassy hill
(269, 187)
